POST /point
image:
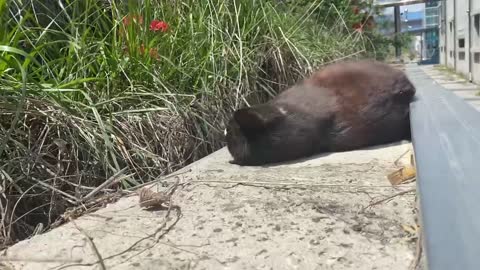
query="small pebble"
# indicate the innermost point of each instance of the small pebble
(357, 227)
(314, 242)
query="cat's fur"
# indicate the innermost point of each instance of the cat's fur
(344, 106)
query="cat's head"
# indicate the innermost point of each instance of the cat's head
(270, 133)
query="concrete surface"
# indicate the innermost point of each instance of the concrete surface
(466, 90)
(303, 215)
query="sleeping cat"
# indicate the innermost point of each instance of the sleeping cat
(344, 106)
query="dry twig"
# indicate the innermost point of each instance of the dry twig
(388, 198)
(137, 187)
(400, 157)
(418, 251)
(88, 207)
(37, 260)
(113, 179)
(282, 184)
(92, 244)
(157, 238)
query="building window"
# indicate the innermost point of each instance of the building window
(461, 43)
(476, 58)
(461, 55)
(476, 23)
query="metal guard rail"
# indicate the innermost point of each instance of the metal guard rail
(446, 141)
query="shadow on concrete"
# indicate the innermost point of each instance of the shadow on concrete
(313, 157)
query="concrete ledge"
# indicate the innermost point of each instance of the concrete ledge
(446, 136)
(304, 215)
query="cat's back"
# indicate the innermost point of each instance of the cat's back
(348, 90)
(348, 87)
(356, 84)
(372, 102)
(359, 79)
(318, 102)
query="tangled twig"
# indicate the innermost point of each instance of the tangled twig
(92, 244)
(157, 238)
(418, 251)
(388, 198)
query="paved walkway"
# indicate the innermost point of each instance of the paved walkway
(468, 91)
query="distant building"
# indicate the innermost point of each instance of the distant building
(460, 36)
(421, 21)
(410, 21)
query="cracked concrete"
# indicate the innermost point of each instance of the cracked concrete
(307, 214)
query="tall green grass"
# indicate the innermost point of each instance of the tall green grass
(85, 97)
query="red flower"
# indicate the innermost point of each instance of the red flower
(157, 25)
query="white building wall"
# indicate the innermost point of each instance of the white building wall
(460, 37)
(450, 47)
(442, 34)
(475, 35)
(461, 19)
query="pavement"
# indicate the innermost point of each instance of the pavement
(455, 83)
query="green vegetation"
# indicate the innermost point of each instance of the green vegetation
(138, 89)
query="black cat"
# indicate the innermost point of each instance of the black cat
(344, 106)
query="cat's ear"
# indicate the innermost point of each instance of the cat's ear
(258, 117)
